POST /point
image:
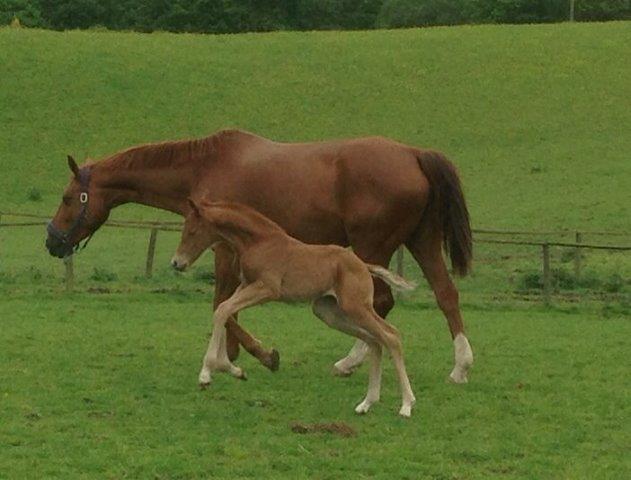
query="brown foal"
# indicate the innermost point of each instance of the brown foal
(276, 267)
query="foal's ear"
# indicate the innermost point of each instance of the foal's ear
(73, 166)
(194, 207)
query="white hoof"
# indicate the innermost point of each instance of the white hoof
(363, 407)
(204, 379)
(406, 411)
(239, 373)
(458, 375)
(341, 370)
(463, 357)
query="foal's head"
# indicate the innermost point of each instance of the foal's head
(198, 234)
(81, 212)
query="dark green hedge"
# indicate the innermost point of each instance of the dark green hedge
(224, 16)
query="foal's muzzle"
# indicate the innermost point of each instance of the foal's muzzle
(178, 264)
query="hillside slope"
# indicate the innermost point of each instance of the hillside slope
(536, 117)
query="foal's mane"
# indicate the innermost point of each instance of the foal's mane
(237, 216)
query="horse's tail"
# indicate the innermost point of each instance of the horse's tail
(392, 279)
(447, 209)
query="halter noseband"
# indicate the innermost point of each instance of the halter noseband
(64, 237)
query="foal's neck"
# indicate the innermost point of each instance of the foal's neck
(242, 227)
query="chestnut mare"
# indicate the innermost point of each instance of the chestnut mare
(276, 267)
(372, 194)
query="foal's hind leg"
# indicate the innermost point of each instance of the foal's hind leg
(383, 302)
(216, 358)
(374, 380)
(388, 336)
(327, 309)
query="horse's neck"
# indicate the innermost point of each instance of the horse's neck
(162, 188)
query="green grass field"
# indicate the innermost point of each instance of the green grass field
(101, 383)
(105, 387)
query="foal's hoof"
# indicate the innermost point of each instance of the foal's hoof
(458, 376)
(363, 407)
(204, 380)
(406, 411)
(341, 371)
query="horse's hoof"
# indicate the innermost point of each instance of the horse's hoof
(204, 385)
(242, 375)
(274, 360)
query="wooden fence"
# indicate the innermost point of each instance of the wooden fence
(481, 235)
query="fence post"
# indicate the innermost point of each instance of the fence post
(151, 250)
(68, 263)
(577, 256)
(572, 10)
(547, 283)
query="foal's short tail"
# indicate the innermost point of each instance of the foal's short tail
(392, 279)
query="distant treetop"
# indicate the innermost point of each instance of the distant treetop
(231, 16)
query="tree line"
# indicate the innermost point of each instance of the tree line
(231, 16)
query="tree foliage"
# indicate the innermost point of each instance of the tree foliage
(228, 16)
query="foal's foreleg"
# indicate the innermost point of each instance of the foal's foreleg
(216, 358)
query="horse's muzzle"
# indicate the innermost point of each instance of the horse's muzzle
(58, 248)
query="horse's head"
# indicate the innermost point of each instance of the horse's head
(197, 235)
(81, 212)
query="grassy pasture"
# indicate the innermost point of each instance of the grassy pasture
(105, 386)
(536, 118)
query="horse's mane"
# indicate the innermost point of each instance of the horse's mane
(168, 154)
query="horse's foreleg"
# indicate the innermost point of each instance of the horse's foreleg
(226, 282)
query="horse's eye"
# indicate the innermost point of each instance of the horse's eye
(66, 199)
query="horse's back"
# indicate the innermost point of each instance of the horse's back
(316, 190)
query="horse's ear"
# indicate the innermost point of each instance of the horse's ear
(73, 166)
(194, 207)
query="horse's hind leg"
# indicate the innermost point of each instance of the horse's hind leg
(428, 253)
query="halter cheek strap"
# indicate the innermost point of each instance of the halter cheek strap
(65, 237)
